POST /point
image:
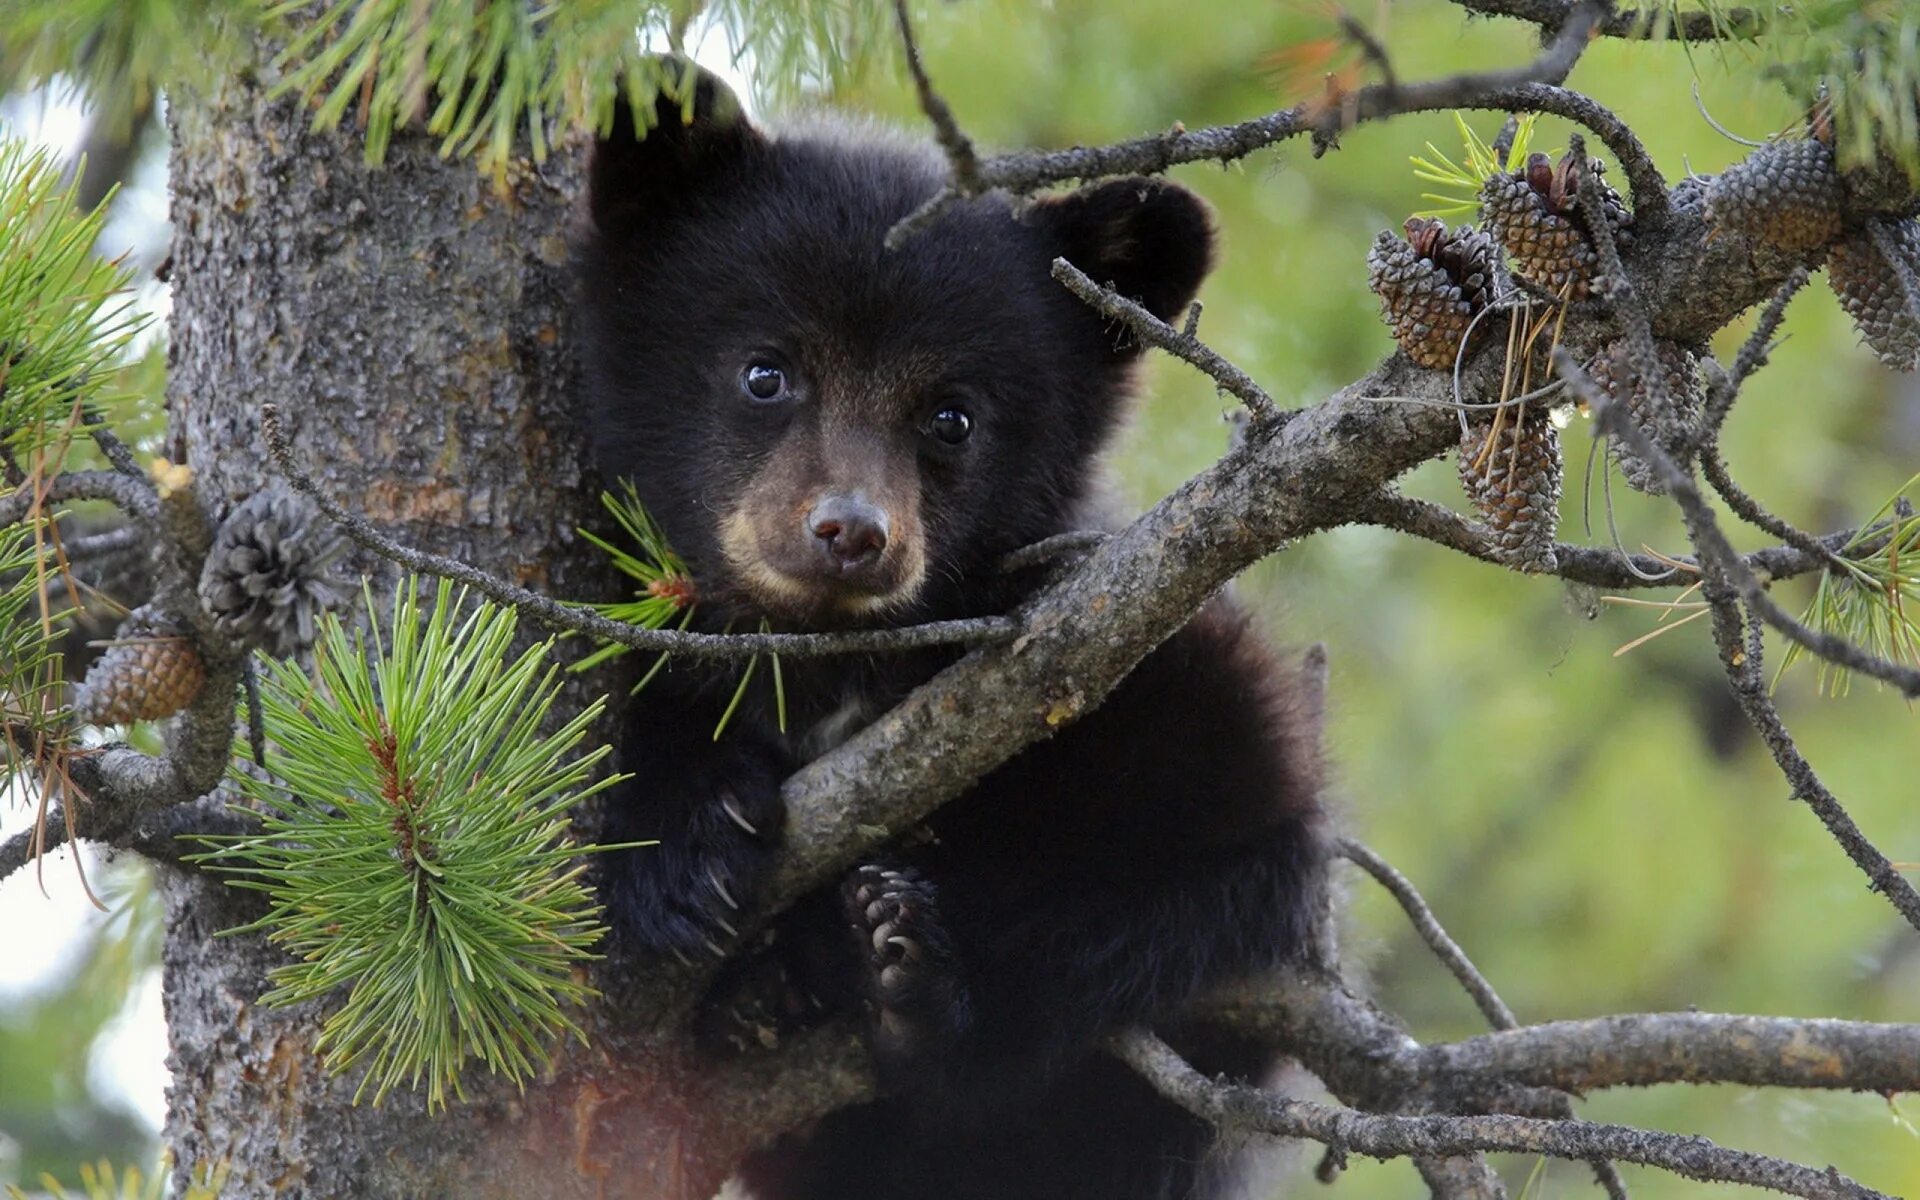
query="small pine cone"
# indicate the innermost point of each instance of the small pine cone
(1548, 249)
(150, 671)
(270, 574)
(1430, 286)
(1874, 294)
(1786, 192)
(1674, 430)
(1516, 486)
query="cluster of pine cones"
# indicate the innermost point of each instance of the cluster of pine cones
(266, 581)
(1790, 194)
(1434, 284)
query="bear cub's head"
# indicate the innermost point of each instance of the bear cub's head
(832, 433)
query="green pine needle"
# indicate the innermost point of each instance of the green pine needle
(66, 315)
(32, 694)
(1872, 601)
(99, 1181)
(1461, 197)
(414, 849)
(666, 597)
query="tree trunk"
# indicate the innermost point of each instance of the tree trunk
(410, 322)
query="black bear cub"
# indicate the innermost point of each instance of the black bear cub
(836, 435)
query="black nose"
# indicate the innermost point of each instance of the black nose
(851, 530)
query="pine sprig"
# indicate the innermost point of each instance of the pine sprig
(99, 1181)
(1873, 600)
(414, 847)
(666, 597)
(66, 315)
(1461, 197)
(32, 701)
(1859, 53)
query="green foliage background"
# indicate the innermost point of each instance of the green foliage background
(1603, 834)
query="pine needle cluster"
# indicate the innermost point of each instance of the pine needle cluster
(414, 847)
(1461, 182)
(1871, 599)
(32, 700)
(66, 315)
(666, 597)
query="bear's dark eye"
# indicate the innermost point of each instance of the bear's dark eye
(764, 381)
(951, 425)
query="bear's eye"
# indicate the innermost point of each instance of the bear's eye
(951, 425)
(764, 381)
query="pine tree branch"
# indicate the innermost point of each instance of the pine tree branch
(1024, 173)
(1589, 565)
(1644, 1049)
(1249, 1109)
(1455, 959)
(1155, 332)
(1738, 24)
(133, 496)
(971, 631)
(1444, 948)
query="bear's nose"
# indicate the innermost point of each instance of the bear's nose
(851, 530)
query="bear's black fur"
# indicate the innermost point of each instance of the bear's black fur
(836, 435)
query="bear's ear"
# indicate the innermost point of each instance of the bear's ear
(1149, 239)
(695, 126)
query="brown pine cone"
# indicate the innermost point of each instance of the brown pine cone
(150, 671)
(1880, 295)
(1786, 192)
(1430, 286)
(1534, 212)
(1516, 486)
(1673, 430)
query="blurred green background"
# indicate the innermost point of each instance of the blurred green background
(1603, 834)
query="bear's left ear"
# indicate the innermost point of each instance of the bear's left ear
(1148, 239)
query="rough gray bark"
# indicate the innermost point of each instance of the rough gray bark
(409, 322)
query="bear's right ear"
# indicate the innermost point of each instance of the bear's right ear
(695, 126)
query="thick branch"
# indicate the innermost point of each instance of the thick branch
(1237, 1106)
(1689, 1047)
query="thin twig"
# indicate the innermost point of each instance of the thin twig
(1432, 933)
(961, 158)
(1155, 332)
(1024, 173)
(1060, 545)
(1724, 388)
(971, 631)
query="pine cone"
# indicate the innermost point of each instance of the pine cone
(1872, 291)
(1516, 486)
(1533, 213)
(150, 671)
(1430, 286)
(1786, 192)
(270, 574)
(1674, 430)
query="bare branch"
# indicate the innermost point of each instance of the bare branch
(1432, 933)
(1024, 173)
(1634, 24)
(956, 144)
(1155, 332)
(135, 497)
(972, 631)
(1642, 1049)
(1249, 1109)
(1583, 564)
